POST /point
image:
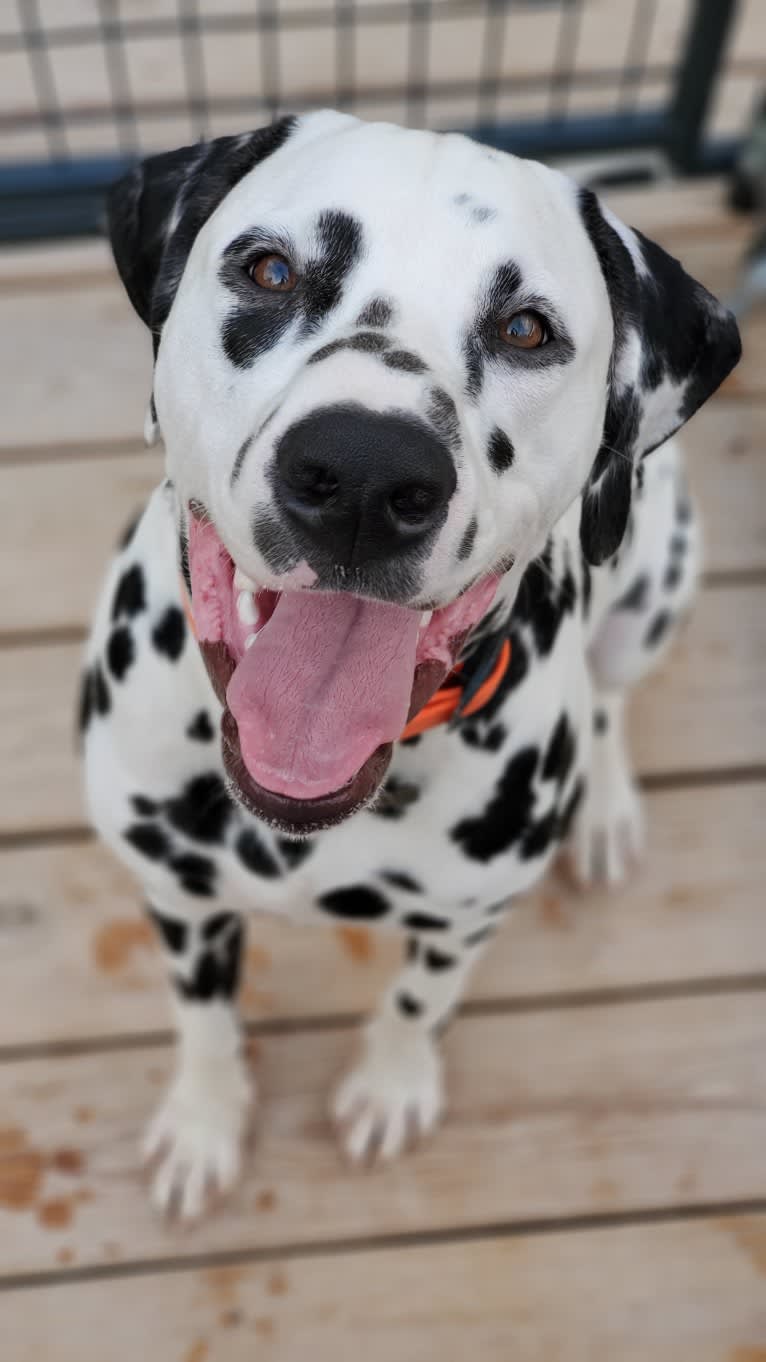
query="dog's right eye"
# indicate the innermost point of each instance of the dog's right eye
(273, 272)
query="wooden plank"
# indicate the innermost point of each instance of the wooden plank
(79, 961)
(706, 708)
(49, 504)
(553, 1114)
(696, 1288)
(78, 361)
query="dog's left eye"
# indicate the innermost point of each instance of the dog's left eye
(524, 330)
(273, 272)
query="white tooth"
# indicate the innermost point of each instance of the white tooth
(246, 608)
(242, 582)
(425, 619)
(250, 640)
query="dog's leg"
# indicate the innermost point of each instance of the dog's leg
(394, 1093)
(195, 1139)
(608, 831)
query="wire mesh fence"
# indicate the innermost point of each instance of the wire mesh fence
(86, 85)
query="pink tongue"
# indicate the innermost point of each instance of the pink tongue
(327, 681)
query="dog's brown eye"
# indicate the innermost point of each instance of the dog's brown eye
(524, 330)
(273, 272)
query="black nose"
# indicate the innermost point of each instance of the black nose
(362, 485)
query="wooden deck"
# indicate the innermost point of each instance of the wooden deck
(599, 1188)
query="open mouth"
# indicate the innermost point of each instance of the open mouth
(316, 687)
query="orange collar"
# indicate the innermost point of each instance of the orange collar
(444, 703)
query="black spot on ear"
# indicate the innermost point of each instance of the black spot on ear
(196, 873)
(401, 880)
(357, 901)
(409, 1006)
(424, 922)
(376, 313)
(120, 651)
(500, 451)
(174, 933)
(169, 634)
(403, 359)
(255, 854)
(468, 540)
(149, 839)
(293, 852)
(507, 815)
(201, 729)
(657, 629)
(543, 602)
(130, 594)
(202, 810)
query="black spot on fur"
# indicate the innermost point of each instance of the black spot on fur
(202, 810)
(657, 629)
(256, 855)
(120, 651)
(413, 949)
(376, 313)
(401, 880)
(174, 933)
(406, 361)
(149, 839)
(409, 1006)
(169, 634)
(673, 576)
(130, 593)
(197, 874)
(636, 596)
(85, 703)
(201, 728)
(218, 923)
(411, 742)
(507, 815)
(442, 413)
(438, 961)
(183, 559)
(478, 938)
(543, 601)
(357, 902)
(468, 540)
(240, 459)
(600, 721)
(500, 451)
(216, 973)
(561, 752)
(101, 698)
(395, 798)
(539, 836)
(424, 922)
(569, 810)
(487, 739)
(293, 852)
(145, 808)
(341, 245)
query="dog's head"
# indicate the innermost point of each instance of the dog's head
(386, 363)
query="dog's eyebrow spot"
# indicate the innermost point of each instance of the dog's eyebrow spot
(240, 459)
(370, 342)
(468, 540)
(376, 313)
(341, 241)
(500, 451)
(405, 360)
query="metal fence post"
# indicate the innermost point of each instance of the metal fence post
(709, 27)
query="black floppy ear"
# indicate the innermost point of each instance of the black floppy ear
(155, 212)
(673, 345)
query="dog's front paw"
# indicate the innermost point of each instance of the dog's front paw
(194, 1142)
(393, 1095)
(608, 836)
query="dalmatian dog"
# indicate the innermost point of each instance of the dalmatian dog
(406, 387)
